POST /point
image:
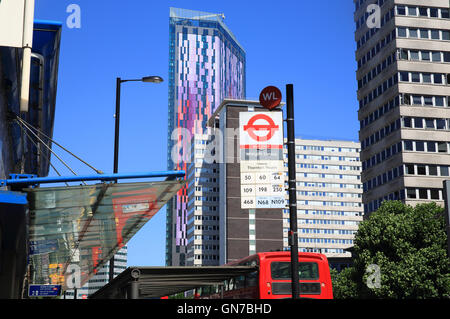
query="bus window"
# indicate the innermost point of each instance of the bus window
(229, 284)
(216, 289)
(252, 279)
(239, 282)
(306, 270)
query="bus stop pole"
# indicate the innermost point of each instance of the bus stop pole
(293, 235)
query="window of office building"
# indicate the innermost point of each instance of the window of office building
(411, 193)
(421, 170)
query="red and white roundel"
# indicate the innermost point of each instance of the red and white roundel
(261, 130)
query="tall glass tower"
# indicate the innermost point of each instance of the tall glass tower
(206, 65)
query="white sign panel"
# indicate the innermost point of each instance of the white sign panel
(12, 15)
(261, 130)
(262, 167)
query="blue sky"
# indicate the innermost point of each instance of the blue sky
(309, 44)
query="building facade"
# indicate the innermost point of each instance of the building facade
(329, 196)
(403, 57)
(20, 151)
(206, 65)
(203, 205)
(242, 232)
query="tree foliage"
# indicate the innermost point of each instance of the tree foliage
(409, 247)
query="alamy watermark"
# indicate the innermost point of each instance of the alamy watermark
(374, 18)
(73, 21)
(374, 279)
(73, 277)
(218, 141)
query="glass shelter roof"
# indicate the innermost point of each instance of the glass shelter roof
(74, 230)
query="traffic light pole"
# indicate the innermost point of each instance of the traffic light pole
(293, 236)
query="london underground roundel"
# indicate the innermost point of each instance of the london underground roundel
(267, 127)
(261, 130)
(270, 97)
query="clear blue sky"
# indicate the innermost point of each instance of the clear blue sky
(307, 43)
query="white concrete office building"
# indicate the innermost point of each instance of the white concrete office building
(203, 205)
(404, 107)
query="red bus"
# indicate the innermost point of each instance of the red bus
(272, 280)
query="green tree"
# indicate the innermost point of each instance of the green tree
(344, 284)
(407, 246)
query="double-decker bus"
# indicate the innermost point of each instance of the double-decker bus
(272, 280)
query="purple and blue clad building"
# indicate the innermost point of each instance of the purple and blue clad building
(206, 65)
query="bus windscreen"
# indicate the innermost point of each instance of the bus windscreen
(306, 270)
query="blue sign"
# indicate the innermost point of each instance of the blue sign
(44, 290)
(43, 246)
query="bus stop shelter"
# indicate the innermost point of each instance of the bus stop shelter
(157, 282)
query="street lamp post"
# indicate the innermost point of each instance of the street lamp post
(119, 81)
